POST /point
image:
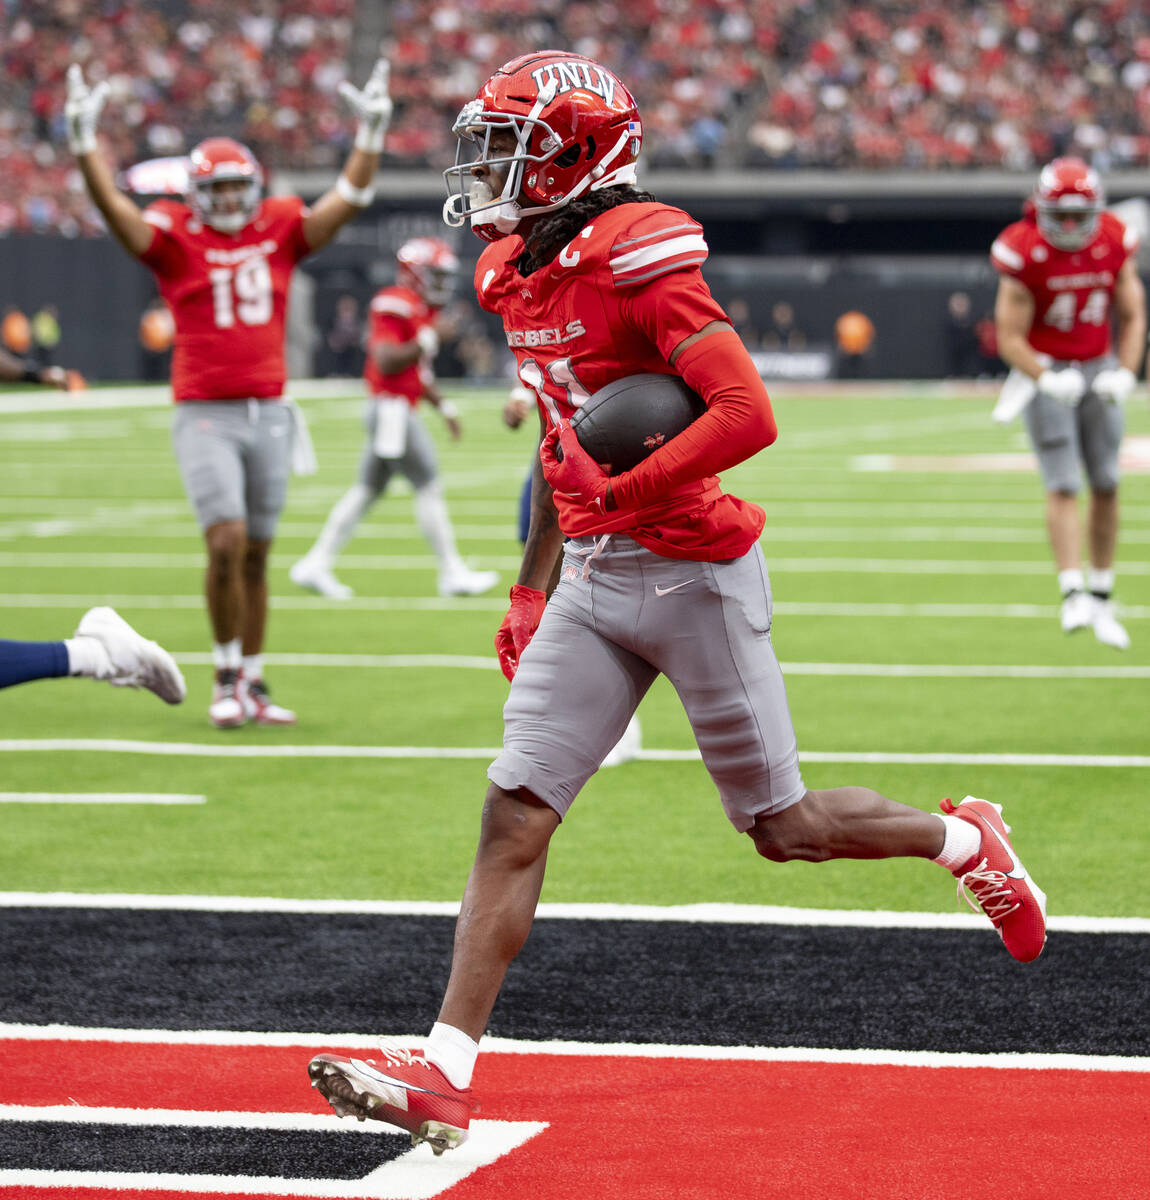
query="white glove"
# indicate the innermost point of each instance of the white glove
(1067, 386)
(372, 107)
(428, 341)
(1114, 385)
(82, 110)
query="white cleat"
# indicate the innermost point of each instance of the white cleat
(133, 660)
(1107, 628)
(226, 711)
(627, 747)
(1077, 611)
(259, 706)
(465, 582)
(309, 575)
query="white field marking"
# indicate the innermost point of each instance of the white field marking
(467, 662)
(100, 798)
(494, 604)
(413, 1175)
(881, 757)
(707, 913)
(495, 1045)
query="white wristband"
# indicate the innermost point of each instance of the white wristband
(357, 197)
(448, 410)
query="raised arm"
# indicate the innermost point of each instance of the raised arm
(353, 189)
(81, 113)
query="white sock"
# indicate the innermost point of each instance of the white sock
(1101, 580)
(435, 525)
(253, 666)
(1071, 581)
(960, 843)
(87, 656)
(227, 656)
(453, 1052)
(341, 523)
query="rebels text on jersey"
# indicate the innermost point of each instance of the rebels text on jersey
(616, 301)
(1072, 289)
(228, 295)
(396, 315)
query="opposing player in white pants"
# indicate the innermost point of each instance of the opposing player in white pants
(403, 341)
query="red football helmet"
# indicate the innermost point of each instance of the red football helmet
(223, 160)
(428, 266)
(1068, 199)
(575, 129)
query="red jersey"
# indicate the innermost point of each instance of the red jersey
(228, 294)
(616, 301)
(1072, 289)
(395, 315)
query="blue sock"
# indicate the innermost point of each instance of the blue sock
(22, 661)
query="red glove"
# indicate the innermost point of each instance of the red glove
(518, 626)
(572, 472)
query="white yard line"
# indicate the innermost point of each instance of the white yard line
(100, 798)
(724, 914)
(218, 750)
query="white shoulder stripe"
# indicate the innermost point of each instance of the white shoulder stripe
(394, 305)
(692, 245)
(1129, 238)
(161, 220)
(1008, 257)
(659, 233)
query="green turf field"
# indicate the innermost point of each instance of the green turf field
(887, 548)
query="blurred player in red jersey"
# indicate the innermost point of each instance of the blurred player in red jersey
(1065, 269)
(661, 571)
(223, 262)
(404, 330)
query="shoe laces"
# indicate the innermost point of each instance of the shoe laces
(990, 889)
(258, 690)
(396, 1056)
(226, 680)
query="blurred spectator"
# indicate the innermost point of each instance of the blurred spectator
(783, 333)
(16, 331)
(45, 329)
(345, 339)
(963, 360)
(854, 336)
(739, 314)
(157, 331)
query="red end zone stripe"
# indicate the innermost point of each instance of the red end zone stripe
(688, 1129)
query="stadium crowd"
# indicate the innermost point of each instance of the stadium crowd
(1002, 84)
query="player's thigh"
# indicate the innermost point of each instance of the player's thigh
(267, 465)
(208, 442)
(718, 655)
(419, 463)
(569, 703)
(1053, 429)
(1100, 428)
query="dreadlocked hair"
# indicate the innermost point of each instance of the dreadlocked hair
(554, 230)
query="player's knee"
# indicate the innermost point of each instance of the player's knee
(516, 826)
(226, 542)
(797, 834)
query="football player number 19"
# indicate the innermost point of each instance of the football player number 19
(244, 291)
(560, 376)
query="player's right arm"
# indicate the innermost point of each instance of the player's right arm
(81, 113)
(1013, 317)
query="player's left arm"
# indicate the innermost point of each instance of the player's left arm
(738, 423)
(1130, 313)
(353, 190)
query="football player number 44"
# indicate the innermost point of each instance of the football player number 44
(1063, 312)
(243, 292)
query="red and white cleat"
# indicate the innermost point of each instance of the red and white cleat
(998, 882)
(226, 710)
(401, 1088)
(259, 707)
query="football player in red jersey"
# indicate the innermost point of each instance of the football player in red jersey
(1065, 270)
(661, 571)
(404, 329)
(223, 261)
